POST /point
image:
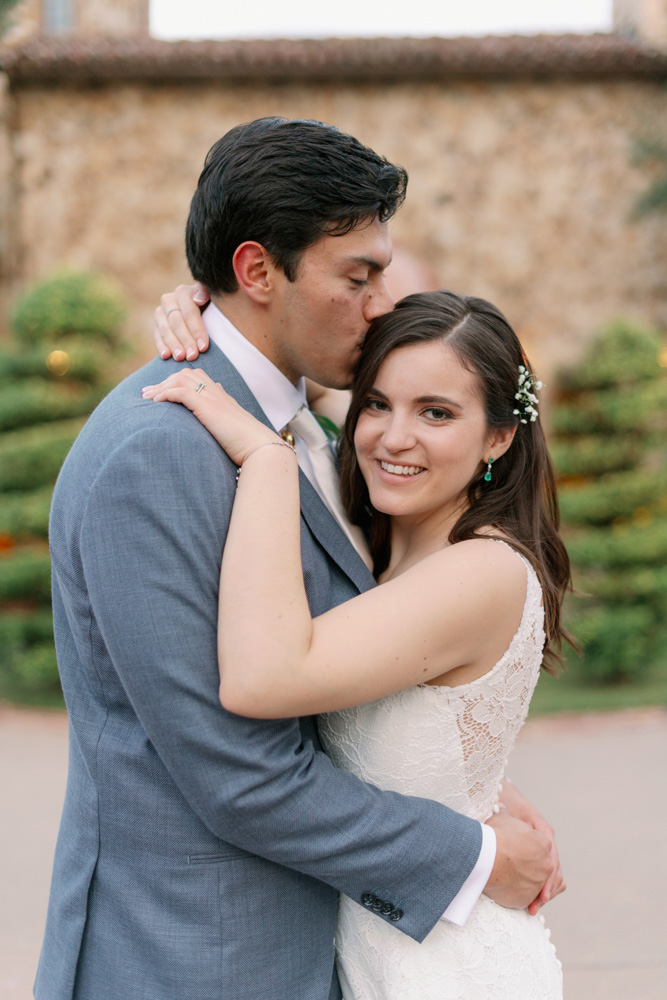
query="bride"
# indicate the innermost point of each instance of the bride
(425, 680)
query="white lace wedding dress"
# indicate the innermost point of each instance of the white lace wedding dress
(449, 744)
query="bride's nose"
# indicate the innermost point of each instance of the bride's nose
(398, 434)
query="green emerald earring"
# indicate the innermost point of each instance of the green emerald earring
(487, 477)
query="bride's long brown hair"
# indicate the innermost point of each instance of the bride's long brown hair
(520, 501)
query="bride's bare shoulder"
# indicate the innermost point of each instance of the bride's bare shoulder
(483, 559)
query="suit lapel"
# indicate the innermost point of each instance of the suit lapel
(331, 537)
(316, 514)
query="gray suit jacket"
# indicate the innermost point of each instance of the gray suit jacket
(200, 854)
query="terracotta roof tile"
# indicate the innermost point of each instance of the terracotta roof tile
(344, 59)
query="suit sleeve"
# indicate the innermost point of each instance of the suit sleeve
(151, 543)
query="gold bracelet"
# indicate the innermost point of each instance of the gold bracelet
(282, 444)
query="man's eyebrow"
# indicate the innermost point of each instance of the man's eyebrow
(369, 262)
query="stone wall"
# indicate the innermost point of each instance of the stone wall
(521, 190)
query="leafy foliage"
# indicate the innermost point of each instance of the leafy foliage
(32, 456)
(654, 199)
(610, 450)
(71, 302)
(56, 371)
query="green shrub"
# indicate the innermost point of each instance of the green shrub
(642, 409)
(32, 457)
(26, 576)
(590, 456)
(618, 642)
(606, 547)
(69, 303)
(619, 495)
(26, 513)
(34, 401)
(627, 586)
(31, 675)
(86, 361)
(624, 353)
(20, 629)
(610, 422)
(65, 352)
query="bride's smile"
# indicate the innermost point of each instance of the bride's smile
(422, 434)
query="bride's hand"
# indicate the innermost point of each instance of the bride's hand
(178, 330)
(235, 430)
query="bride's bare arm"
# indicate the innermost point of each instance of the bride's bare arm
(331, 403)
(275, 660)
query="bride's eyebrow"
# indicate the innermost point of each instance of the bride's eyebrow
(439, 401)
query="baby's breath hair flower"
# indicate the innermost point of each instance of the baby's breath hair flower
(527, 401)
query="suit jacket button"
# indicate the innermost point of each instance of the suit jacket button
(396, 915)
(377, 903)
(368, 899)
(386, 908)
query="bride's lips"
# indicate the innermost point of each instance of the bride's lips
(397, 478)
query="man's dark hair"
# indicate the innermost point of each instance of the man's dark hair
(284, 184)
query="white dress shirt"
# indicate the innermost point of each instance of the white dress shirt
(280, 400)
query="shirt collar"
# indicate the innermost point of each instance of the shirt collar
(279, 399)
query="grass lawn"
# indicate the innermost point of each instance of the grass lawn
(570, 693)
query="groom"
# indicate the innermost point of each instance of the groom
(200, 854)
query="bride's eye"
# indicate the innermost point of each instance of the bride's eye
(437, 413)
(379, 405)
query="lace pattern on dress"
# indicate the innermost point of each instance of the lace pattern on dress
(450, 744)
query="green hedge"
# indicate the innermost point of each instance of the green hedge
(19, 629)
(628, 586)
(614, 411)
(611, 424)
(623, 353)
(32, 457)
(618, 641)
(65, 350)
(34, 401)
(590, 456)
(68, 303)
(26, 576)
(31, 675)
(87, 362)
(26, 513)
(605, 547)
(620, 496)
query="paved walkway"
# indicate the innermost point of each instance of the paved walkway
(598, 778)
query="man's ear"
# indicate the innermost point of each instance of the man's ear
(499, 441)
(254, 270)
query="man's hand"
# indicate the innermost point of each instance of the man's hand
(523, 862)
(178, 330)
(518, 806)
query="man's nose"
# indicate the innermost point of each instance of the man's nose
(378, 302)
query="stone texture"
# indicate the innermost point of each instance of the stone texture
(521, 190)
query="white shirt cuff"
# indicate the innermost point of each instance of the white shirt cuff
(462, 905)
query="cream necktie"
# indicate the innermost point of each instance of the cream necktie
(306, 427)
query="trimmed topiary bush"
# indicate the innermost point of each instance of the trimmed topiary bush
(32, 456)
(66, 345)
(610, 449)
(71, 302)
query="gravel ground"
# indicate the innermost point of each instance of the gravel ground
(597, 778)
